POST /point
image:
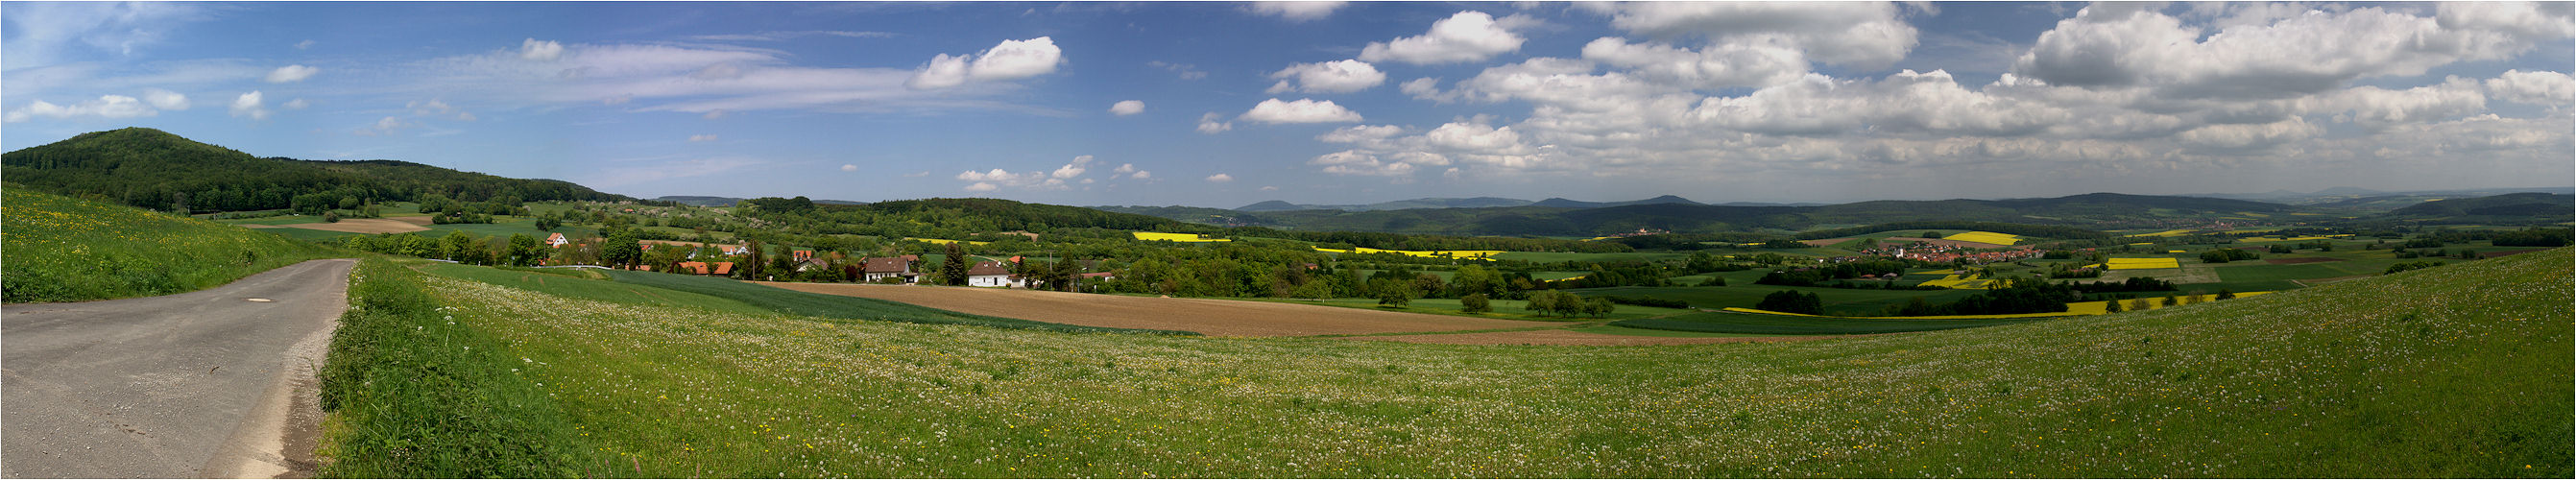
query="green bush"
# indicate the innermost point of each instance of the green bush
(1475, 303)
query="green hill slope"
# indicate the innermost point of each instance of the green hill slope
(62, 249)
(150, 168)
(2455, 371)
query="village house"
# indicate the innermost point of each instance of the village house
(878, 268)
(988, 274)
(557, 240)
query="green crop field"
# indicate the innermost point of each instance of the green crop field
(1731, 322)
(63, 249)
(2456, 371)
(603, 290)
(1554, 257)
(835, 306)
(1838, 301)
(1505, 309)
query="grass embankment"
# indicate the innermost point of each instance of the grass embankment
(412, 391)
(2457, 371)
(62, 249)
(840, 307)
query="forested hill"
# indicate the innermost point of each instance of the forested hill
(2088, 209)
(154, 169)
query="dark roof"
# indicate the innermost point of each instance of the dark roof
(988, 268)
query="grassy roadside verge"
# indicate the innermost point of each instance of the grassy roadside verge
(410, 391)
(62, 249)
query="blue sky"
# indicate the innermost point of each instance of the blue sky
(1225, 104)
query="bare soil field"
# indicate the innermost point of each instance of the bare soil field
(421, 220)
(1569, 337)
(1825, 242)
(2291, 261)
(1232, 318)
(362, 225)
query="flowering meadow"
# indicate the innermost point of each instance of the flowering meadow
(62, 249)
(2456, 371)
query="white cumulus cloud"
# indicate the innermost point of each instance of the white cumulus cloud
(1211, 124)
(1297, 11)
(1300, 111)
(106, 106)
(250, 105)
(2537, 88)
(1009, 60)
(291, 73)
(1329, 77)
(546, 50)
(165, 99)
(702, 138)
(1220, 178)
(1127, 107)
(1465, 37)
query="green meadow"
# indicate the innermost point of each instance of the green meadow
(2457, 371)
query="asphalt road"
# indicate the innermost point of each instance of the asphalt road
(188, 385)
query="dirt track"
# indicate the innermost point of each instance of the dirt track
(362, 225)
(1569, 337)
(1211, 317)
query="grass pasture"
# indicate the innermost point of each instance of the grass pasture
(583, 288)
(2458, 371)
(1838, 301)
(838, 307)
(61, 249)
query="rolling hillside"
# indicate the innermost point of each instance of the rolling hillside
(2543, 207)
(2454, 371)
(151, 169)
(64, 249)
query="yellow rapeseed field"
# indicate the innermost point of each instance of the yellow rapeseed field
(1985, 237)
(1177, 237)
(2144, 263)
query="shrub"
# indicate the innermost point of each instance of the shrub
(1475, 303)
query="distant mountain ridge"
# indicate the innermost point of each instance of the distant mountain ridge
(1675, 214)
(1490, 202)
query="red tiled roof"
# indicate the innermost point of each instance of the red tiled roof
(724, 268)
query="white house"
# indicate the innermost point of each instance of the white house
(557, 240)
(988, 274)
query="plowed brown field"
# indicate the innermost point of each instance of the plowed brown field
(1211, 317)
(1569, 337)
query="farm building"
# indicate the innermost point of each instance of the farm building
(557, 240)
(988, 274)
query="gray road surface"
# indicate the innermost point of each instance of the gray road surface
(168, 386)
